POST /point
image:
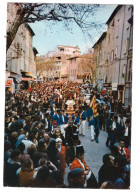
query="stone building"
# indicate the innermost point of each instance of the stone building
(55, 65)
(20, 58)
(65, 64)
(113, 54)
(81, 68)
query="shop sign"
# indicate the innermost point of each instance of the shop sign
(114, 86)
(9, 83)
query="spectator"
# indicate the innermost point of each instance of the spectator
(107, 172)
(26, 173)
(127, 133)
(11, 167)
(27, 142)
(124, 151)
(61, 157)
(107, 185)
(76, 178)
(41, 180)
(52, 153)
(7, 152)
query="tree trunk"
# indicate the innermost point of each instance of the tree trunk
(11, 33)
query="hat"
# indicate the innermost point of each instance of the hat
(79, 149)
(58, 140)
(75, 172)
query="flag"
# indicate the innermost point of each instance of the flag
(89, 113)
(93, 106)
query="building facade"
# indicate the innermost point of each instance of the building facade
(55, 64)
(113, 54)
(65, 64)
(81, 68)
(21, 56)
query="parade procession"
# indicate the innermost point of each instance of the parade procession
(68, 116)
(44, 134)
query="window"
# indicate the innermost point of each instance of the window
(104, 55)
(123, 71)
(61, 49)
(130, 71)
(109, 38)
(117, 29)
(58, 58)
(126, 46)
(112, 55)
(116, 53)
(131, 38)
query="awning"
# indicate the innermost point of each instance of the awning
(28, 74)
(26, 79)
(64, 76)
(106, 84)
(13, 75)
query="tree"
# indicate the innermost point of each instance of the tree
(81, 14)
(43, 65)
(86, 65)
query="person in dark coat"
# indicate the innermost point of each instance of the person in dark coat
(16, 126)
(108, 171)
(11, 166)
(52, 153)
(69, 130)
(113, 128)
(70, 151)
(57, 134)
(109, 122)
(97, 129)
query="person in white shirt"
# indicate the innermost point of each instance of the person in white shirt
(30, 141)
(127, 133)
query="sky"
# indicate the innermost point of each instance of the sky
(48, 37)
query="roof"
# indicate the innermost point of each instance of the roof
(113, 14)
(73, 57)
(67, 46)
(35, 50)
(30, 29)
(100, 39)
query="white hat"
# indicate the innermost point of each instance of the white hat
(58, 140)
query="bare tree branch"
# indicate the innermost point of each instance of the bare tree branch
(81, 14)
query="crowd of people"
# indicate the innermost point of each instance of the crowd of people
(42, 138)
